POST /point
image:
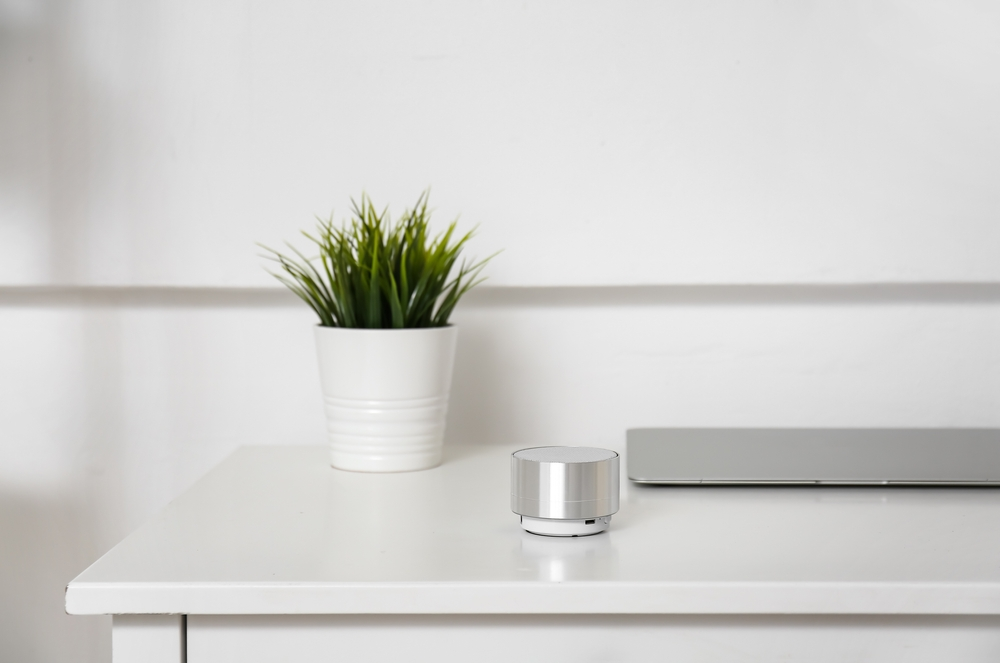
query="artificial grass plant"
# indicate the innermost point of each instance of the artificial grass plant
(374, 274)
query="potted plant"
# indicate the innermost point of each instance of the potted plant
(383, 292)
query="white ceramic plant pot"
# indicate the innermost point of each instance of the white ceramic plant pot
(386, 395)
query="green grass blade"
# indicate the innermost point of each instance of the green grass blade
(372, 273)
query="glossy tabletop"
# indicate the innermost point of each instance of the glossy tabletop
(276, 530)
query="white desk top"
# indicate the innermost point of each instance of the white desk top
(275, 530)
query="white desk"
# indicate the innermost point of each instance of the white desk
(277, 556)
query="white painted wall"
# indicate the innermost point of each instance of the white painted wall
(597, 142)
(601, 144)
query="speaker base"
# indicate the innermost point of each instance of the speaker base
(550, 527)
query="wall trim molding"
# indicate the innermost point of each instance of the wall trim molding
(485, 296)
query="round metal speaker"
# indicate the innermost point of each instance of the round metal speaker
(564, 491)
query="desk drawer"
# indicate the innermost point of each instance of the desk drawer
(579, 638)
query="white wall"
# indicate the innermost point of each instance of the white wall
(633, 142)
(631, 158)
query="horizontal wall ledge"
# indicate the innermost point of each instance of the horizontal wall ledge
(518, 296)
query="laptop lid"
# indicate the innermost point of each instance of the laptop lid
(813, 456)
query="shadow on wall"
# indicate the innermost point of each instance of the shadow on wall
(56, 108)
(478, 400)
(487, 403)
(43, 543)
(24, 161)
(61, 491)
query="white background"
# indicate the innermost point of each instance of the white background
(597, 142)
(722, 213)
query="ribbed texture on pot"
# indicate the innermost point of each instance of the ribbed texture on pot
(385, 435)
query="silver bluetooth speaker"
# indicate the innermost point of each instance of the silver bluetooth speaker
(564, 491)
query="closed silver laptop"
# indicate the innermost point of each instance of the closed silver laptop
(967, 457)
